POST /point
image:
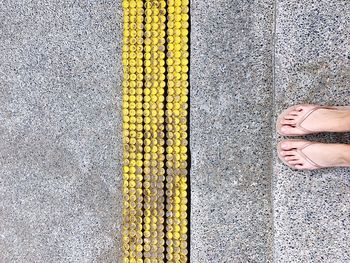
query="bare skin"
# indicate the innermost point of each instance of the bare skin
(323, 154)
(321, 120)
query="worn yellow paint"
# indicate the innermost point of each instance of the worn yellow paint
(155, 107)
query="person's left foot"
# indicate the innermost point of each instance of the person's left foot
(301, 154)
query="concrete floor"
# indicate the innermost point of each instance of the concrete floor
(60, 131)
(60, 145)
(311, 209)
(231, 102)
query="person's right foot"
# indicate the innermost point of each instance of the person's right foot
(301, 154)
(320, 120)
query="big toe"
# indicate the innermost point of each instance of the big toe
(294, 113)
(292, 144)
(290, 130)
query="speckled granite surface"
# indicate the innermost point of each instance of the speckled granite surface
(311, 209)
(60, 149)
(231, 96)
(59, 146)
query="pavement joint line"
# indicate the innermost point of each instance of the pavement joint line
(273, 135)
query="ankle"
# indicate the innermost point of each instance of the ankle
(345, 154)
(341, 122)
(344, 120)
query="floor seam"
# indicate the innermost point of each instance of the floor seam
(272, 127)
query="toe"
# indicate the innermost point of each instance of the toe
(295, 162)
(294, 113)
(284, 153)
(290, 158)
(289, 130)
(289, 117)
(290, 153)
(288, 145)
(288, 122)
(299, 166)
(304, 166)
(299, 108)
(296, 144)
(308, 166)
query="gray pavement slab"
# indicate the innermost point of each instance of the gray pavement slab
(60, 131)
(311, 209)
(231, 101)
(60, 149)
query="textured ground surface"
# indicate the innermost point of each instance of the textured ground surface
(59, 133)
(311, 209)
(231, 100)
(60, 143)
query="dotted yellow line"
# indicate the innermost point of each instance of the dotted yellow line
(176, 119)
(133, 131)
(155, 63)
(154, 130)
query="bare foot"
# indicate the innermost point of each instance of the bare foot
(301, 154)
(320, 120)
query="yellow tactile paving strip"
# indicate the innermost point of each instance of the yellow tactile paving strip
(155, 96)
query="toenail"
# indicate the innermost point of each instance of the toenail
(284, 153)
(284, 129)
(284, 145)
